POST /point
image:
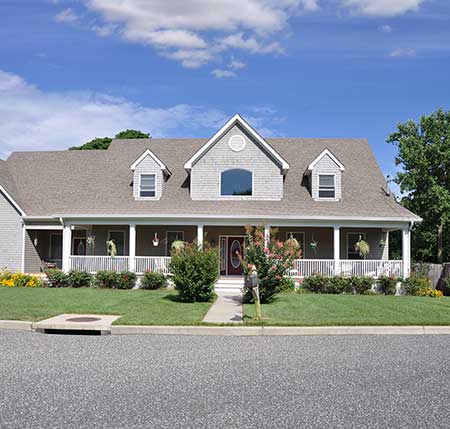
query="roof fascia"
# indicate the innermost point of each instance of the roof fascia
(326, 152)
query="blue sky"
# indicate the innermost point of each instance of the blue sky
(74, 70)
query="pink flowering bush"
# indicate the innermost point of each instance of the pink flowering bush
(272, 262)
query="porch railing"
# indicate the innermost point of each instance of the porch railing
(92, 264)
(151, 263)
(301, 267)
(310, 267)
(371, 268)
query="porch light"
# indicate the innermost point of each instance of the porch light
(156, 240)
(35, 241)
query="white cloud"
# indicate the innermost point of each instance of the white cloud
(103, 30)
(250, 44)
(176, 27)
(402, 52)
(67, 15)
(385, 28)
(382, 7)
(237, 65)
(32, 119)
(219, 73)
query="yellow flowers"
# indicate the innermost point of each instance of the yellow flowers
(8, 279)
(430, 292)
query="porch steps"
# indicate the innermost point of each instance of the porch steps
(229, 284)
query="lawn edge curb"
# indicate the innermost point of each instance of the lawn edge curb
(18, 325)
(279, 330)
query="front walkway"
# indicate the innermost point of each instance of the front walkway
(226, 309)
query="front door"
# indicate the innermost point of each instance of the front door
(235, 252)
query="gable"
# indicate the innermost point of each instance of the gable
(147, 165)
(237, 120)
(236, 149)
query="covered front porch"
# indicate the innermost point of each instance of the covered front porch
(326, 249)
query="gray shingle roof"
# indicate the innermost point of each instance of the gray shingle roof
(100, 182)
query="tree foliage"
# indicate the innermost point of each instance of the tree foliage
(102, 143)
(424, 179)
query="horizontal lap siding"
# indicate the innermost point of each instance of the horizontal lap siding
(205, 174)
(325, 166)
(10, 236)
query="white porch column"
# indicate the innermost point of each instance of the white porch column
(200, 235)
(337, 249)
(132, 248)
(406, 251)
(266, 234)
(66, 247)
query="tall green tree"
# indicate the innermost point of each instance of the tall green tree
(102, 143)
(424, 179)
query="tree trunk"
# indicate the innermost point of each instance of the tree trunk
(440, 246)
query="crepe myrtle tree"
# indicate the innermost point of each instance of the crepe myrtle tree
(272, 261)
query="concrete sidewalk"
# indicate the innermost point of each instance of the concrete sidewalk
(226, 309)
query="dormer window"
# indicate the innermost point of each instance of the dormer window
(236, 182)
(327, 187)
(147, 186)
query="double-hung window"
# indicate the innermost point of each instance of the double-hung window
(327, 188)
(147, 187)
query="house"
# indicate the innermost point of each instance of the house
(62, 207)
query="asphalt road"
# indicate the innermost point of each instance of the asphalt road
(54, 381)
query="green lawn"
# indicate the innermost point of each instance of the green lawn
(292, 309)
(138, 307)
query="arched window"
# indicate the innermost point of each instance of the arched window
(236, 182)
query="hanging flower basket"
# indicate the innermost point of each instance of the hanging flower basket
(156, 240)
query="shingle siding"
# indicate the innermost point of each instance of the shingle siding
(205, 174)
(148, 166)
(32, 257)
(326, 166)
(10, 236)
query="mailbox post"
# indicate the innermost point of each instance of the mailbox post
(253, 285)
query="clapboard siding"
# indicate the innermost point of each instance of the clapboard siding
(205, 174)
(148, 166)
(32, 257)
(10, 236)
(326, 166)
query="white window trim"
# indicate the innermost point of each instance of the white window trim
(149, 153)
(302, 233)
(236, 197)
(167, 239)
(125, 243)
(363, 237)
(318, 187)
(139, 188)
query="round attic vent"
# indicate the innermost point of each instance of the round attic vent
(236, 143)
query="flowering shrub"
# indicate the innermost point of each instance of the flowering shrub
(415, 284)
(195, 270)
(272, 262)
(126, 280)
(8, 279)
